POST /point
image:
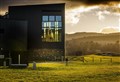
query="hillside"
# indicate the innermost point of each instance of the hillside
(81, 35)
(90, 43)
(96, 37)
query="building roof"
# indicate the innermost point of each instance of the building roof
(53, 4)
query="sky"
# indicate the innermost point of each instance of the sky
(102, 16)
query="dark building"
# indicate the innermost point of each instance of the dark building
(36, 32)
(13, 41)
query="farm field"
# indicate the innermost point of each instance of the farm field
(91, 70)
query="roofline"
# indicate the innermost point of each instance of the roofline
(38, 4)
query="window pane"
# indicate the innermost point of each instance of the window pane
(52, 24)
(42, 24)
(51, 18)
(58, 18)
(45, 18)
(59, 24)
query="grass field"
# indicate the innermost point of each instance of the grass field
(76, 71)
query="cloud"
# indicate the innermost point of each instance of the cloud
(101, 14)
(77, 3)
(101, 7)
(73, 15)
(119, 23)
(110, 30)
(110, 9)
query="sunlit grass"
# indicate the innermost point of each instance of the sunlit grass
(76, 71)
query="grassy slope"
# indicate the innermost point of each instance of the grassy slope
(96, 37)
(76, 71)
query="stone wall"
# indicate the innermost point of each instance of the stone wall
(46, 55)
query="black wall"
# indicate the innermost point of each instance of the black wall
(33, 14)
(13, 40)
(13, 35)
(21, 33)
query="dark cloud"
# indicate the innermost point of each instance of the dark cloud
(69, 3)
(76, 3)
(94, 2)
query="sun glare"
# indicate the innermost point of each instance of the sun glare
(119, 5)
(2, 13)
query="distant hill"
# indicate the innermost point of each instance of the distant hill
(91, 43)
(81, 35)
(96, 37)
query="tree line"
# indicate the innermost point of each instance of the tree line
(91, 47)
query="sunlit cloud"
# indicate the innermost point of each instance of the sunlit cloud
(119, 23)
(101, 14)
(73, 15)
(109, 30)
(119, 5)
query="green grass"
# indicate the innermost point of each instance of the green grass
(76, 71)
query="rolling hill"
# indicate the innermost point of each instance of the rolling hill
(91, 43)
(96, 37)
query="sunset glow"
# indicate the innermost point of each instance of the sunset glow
(84, 16)
(2, 12)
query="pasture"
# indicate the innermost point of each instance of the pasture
(91, 70)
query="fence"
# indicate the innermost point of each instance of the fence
(90, 59)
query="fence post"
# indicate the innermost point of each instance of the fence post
(93, 59)
(83, 59)
(111, 60)
(100, 59)
(66, 61)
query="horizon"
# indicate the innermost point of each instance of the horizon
(93, 32)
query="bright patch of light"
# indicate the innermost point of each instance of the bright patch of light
(73, 15)
(85, 9)
(110, 30)
(119, 5)
(101, 14)
(2, 13)
(119, 24)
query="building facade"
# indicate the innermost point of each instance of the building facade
(45, 34)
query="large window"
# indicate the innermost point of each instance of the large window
(51, 28)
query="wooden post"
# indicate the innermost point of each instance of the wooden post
(100, 59)
(111, 60)
(93, 59)
(82, 59)
(66, 61)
